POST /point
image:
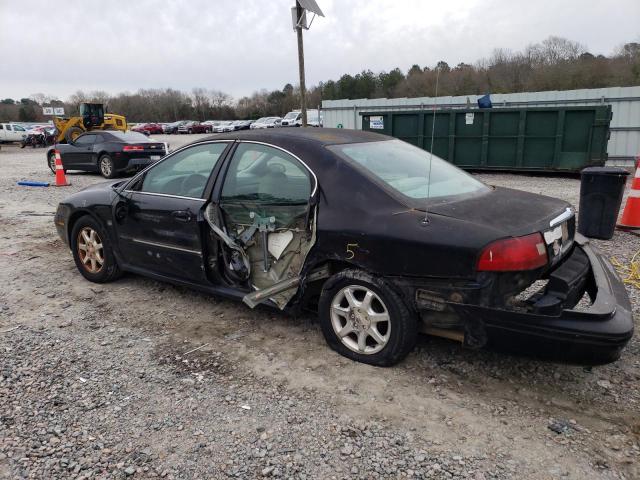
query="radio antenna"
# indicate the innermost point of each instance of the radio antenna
(425, 221)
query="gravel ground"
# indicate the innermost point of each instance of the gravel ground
(138, 379)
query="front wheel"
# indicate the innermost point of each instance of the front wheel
(92, 251)
(52, 162)
(364, 319)
(106, 166)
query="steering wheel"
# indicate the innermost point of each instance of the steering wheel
(192, 182)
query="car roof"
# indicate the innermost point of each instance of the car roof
(320, 136)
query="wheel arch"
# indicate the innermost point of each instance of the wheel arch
(77, 215)
(335, 267)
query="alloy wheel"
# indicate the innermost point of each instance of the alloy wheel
(90, 250)
(360, 319)
(105, 166)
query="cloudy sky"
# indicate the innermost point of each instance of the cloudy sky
(239, 46)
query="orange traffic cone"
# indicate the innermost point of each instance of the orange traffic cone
(631, 215)
(61, 178)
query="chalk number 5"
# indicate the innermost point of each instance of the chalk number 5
(350, 250)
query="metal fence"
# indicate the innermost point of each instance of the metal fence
(623, 147)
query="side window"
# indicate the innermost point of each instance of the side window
(85, 140)
(18, 128)
(185, 173)
(267, 175)
(9, 128)
(1, 127)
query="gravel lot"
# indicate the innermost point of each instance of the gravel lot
(138, 379)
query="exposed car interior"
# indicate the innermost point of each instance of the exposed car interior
(264, 225)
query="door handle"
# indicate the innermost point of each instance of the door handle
(181, 216)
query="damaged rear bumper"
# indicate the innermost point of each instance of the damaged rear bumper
(595, 335)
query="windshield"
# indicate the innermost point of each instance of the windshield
(291, 115)
(405, 169)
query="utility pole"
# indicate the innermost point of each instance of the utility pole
(299, 17)
(303, 88)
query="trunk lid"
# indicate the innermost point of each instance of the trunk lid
(513, 212)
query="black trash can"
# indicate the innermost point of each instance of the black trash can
(601, 190)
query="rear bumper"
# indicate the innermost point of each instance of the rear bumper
(124, 164)
(595, 335)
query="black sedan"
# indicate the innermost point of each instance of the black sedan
(107, 152)
(382, 239)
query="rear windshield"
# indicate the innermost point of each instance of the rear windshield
(130, 136)
(406, 169)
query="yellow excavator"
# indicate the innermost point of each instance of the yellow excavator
(92, 117)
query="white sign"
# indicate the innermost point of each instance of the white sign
(468, 118)
(376, 123)
(47, 110)
(59, 110)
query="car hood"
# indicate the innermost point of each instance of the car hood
(512, 212)
(102, 185)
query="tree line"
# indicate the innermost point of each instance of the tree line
(553, 64)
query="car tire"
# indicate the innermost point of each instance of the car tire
(353, 306)
(92, 251)
(51, 162)
(72, 133)
(190, 131)
(107, 167)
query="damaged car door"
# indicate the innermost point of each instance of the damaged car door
(265, 218)
(158, 218)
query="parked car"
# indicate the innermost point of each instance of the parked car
(171, 128)
(12, 132)
(294, 119)
(226, 126)
(108, 152)
(36, 129)
(266, 122)
(148, 128)
(194, 127)
(241, 124)
(382, 238)
(42, 136)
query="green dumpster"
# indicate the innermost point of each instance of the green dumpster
(561, 139)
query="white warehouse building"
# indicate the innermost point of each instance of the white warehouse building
(623, 147)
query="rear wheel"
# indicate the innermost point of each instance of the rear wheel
(92, 251)
(364, 319)
(106, 166)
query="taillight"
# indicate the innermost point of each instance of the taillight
(133, 148)
(513, 254)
